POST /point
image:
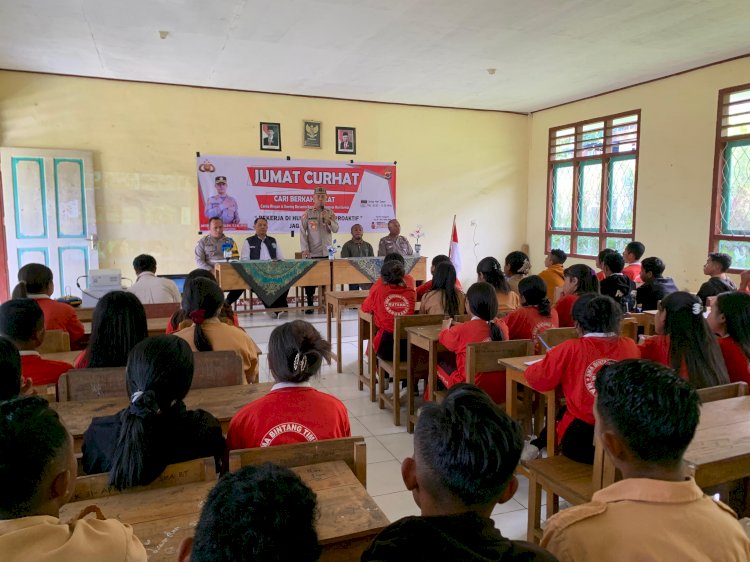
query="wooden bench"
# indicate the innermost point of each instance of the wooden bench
(723, 391)
(555, 336)
(161, 309)
(351, 450)
(55, 341)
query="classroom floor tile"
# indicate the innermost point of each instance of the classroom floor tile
(397, 505)
(400, 445)
(384, 478)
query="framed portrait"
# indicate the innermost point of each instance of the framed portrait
(311, 133)
(270, 136)
(346, 140)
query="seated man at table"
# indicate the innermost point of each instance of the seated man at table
(149, 288)
(36, 480)
(357, 247)
(235, 523)
(646, 417)
(264, 247)
(465, 452)
(394, 242)
(22, 322)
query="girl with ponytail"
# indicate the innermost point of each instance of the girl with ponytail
(155, 430)
(489, 270)
(481, 304)
(535, 315)
(202, 300)
(294, 411)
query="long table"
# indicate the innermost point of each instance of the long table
(222, 401)
(162, 518)
(344, 273)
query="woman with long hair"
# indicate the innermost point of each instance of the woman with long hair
(579, 280)
(444, 297)
(118, 324)
(685, 343)
(179, 319)
(489, 271)
(517, 266)
(730, 321)
(535, 315)
(156, 429)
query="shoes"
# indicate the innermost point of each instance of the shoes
(309, 311)
(281, 313)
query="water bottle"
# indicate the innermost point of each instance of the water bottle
(226, 248)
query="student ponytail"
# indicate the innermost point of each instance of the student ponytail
(533, 290)
(444, 280)
(159, 374)
(735, 307)
(296, 352)
(491, 272)
(33, 278)
(201, 300)
(482, 300)
(20, 291)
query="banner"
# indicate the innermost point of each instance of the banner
(240, 189)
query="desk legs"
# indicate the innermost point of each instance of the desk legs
(411, 417)
(338, 338)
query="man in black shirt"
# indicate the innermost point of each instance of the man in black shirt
(655, 286)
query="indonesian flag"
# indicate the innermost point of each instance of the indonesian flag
(455, 253)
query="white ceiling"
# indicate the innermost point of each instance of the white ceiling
(432, 52)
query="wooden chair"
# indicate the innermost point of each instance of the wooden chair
(97, 485)
(723, 392)
(161, 310)
(555, 336)
(351, 450)
(645, 321)
(55, 341)
(87, 384)
(217, 368)
(366, 322)
(461, 318)
(398, 368)
(46, 391)
(629, 329)
(563, 478)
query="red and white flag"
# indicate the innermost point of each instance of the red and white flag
(454, 253)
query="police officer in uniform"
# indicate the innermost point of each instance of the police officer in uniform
(317, 225)
(222, 205)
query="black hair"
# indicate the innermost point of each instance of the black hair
(394, 256)
(21, 319)
(649, 407)
(118, 323)
(296, 351)
(533, 289)
(558, 256)
(180, 315)
(724, 260)
(735, 307)
(654, 266)
(691, 341)
(493, 274)
(33, 278)
(144, 262)
(636, 248)
(518, 262)
(587, 280)
(259, 219)
(202, 299)
(440, 258)
(212, 219)
(31, 438)
(468, 445)
(263, 512)
(614, 262)
(159, 374)
(10, 370)
(445, 280)
(482, 299)
(597, 314)
(393, 272)
(604, 252)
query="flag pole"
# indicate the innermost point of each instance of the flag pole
(453, 228)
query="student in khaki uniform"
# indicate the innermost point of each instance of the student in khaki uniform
(646, 417)
(554, 275)
(37, 477)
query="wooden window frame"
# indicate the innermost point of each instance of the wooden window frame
(605, 158)
(715, 233)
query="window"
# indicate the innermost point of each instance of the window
(730, 210)
(592, 184)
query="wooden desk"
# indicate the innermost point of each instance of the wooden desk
(366, 332)
(344, 273)
(156, 326)
(67, 356)
(426, 338)
(720, 450)
(349, 517)
(514, 375)
(85, 314)
(223, 402)
(336, 301)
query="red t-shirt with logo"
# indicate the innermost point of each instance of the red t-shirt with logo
(455, 339)
(573, 365)
(735, 359)
(526, 323)
(386, 302)
(287, 415)
(42, 371)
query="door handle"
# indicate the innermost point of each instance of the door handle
(93, 241)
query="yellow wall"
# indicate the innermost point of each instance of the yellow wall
(144, 138)
(678, 128)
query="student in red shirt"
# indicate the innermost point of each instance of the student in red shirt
(118, 324)
(35, 282)
(632, 254)
(481, 304)
(684, 342)
(489, 270)
(426, 287)
(22, 322)
(579, 279)
(408, 279)
(294, 411)
(600, 262)
(574, 364)
(535, 315)
(387, 300)
(730, 320)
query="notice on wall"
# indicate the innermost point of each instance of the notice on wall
(240, 189)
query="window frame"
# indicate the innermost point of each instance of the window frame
(716, 233)
(576, 161)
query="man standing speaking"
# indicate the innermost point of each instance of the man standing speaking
(316, 226)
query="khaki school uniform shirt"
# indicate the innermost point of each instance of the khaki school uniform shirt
(432, 303)
(43, 538)
(648, 521)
